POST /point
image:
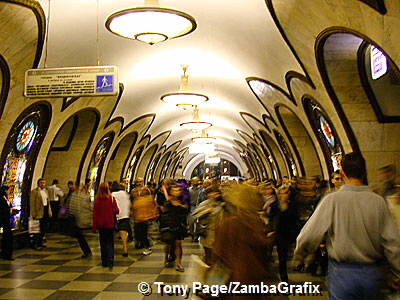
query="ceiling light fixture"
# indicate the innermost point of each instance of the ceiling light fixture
(203, 139)
(183, 99)
(196, 124)
(150, 24)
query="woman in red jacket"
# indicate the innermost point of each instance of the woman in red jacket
(104, 211)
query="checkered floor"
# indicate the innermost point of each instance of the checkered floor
(58, 272)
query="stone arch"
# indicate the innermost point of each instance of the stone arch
(299, 137)
(72, 141)
(339, 69)
(119, 157)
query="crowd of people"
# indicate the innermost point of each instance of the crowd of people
(339, 227)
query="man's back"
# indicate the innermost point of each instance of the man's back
(357, 223)
(358, 227)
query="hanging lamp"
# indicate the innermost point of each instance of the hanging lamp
(196, 124)
(151, 23)
(183, 99)
(204, 138)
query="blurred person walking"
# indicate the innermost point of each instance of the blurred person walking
(172, 224)
(196, 192)
(241, 247)
(144, 211)
(79, 209)
(360, 234)
(104, 213)
(283, 216)
(206, 213)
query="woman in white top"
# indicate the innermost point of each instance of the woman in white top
(123, 218)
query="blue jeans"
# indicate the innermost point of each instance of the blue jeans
(353, 281)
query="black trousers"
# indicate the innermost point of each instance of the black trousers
(55, 207)
(282, 247)
(78, 234)
(107, 246)
(141, 234)
(7, 239)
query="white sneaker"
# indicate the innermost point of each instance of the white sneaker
(147, 252)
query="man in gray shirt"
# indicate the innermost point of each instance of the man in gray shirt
(360, 233)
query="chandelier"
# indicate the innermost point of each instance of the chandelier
(196, 124)
(184, 99)
(150, 24)
(203, 139)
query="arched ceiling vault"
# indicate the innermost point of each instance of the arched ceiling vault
(221, 54)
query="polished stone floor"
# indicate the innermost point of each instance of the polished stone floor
(58, 272)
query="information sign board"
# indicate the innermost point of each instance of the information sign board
(71, 82)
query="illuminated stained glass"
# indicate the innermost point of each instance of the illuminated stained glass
(130, 170)
(96, 165)
(25, 136)
(15, 166)
(326, 132)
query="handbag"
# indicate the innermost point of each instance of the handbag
(33, 226)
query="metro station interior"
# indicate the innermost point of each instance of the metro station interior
(281, 88)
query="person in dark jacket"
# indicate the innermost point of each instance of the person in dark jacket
(173, 218)
(5, 214)
(283, 214)
(104, 211)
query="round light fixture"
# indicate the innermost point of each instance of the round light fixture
(196, 124)
(150, 25)
(203, 139)
(184, 99)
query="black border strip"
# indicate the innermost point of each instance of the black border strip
(5, 83)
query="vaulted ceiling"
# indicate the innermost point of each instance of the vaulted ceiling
(234, 40)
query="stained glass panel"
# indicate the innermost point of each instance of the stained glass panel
(327, 132)
(15, 166)
(96, 164)
(25, 136)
